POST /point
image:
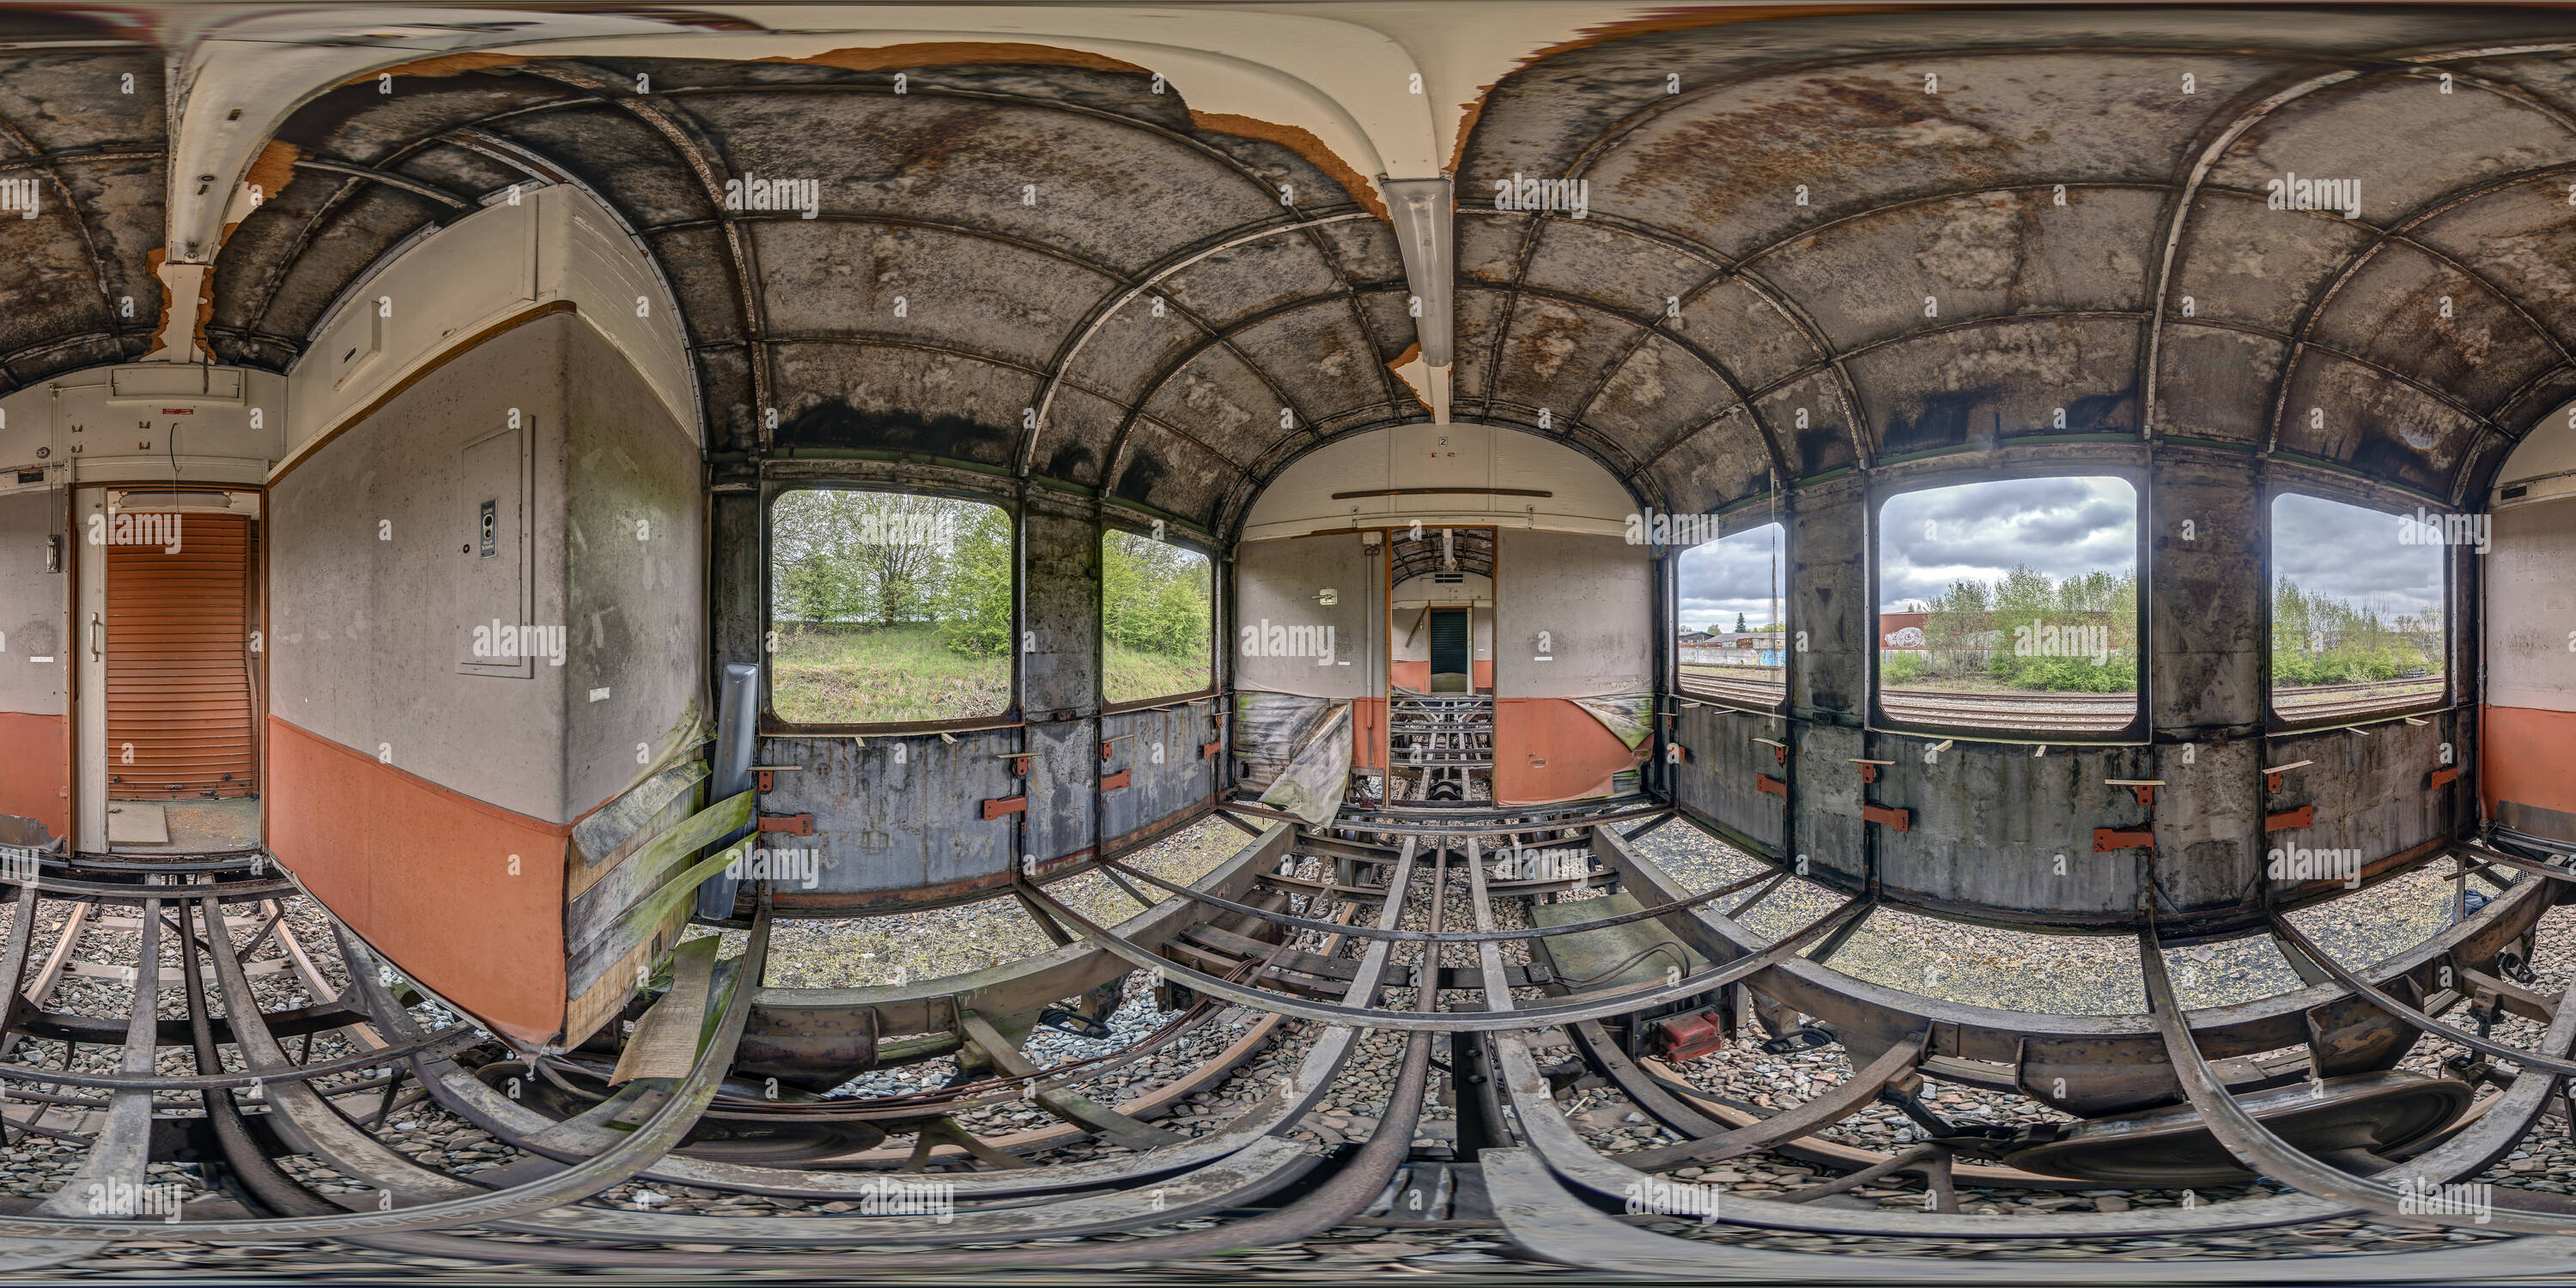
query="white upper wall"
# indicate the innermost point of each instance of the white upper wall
(1582, 496)
(555, 245)
(2543, 464)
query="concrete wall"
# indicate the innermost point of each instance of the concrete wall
(34, 776)
(1990, 815)
(369, 539)
(2529, 767)
(424, 794)
(1276, 583)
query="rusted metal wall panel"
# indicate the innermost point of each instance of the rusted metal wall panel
(1159, 750)
(897, 812)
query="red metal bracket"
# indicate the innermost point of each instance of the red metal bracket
(1006, 805)
(2303, 816)
(1688, 1037)
(1118, 779)
(2146, 795)
(1104, 749)
(1900, 819)
(792, 824)
(1868, 772)
(1020, 765)
(1766, 783)
(761, 780)
(2444, 777)
(2107, 839)
(1207, 749)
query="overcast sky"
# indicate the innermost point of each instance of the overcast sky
(1722, 578)
(2064, 527)
(2354, 555)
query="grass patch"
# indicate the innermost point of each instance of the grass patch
(882, 675)
(1133, 675)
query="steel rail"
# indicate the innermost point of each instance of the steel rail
(2307, 948)
(2258, 1147)
(651, 1140)
(1435, 936)
(1282, 1107)
(1586, 1006)
(1345, 1195)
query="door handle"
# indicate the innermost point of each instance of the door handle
(97, 644)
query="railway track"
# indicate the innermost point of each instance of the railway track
(2037, 712)
(287, 1049)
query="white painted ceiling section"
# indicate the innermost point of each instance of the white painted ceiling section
(557, 244)
(1582, 496)
(144, 422)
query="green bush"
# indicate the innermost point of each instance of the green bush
(1903, 668)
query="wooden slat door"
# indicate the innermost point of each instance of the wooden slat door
(179, 698)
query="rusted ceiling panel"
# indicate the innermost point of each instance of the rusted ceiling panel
(2404, 141)
(1713, 464)
(2217, 383)
(1661, 392)
(1169, 469)
(2382, 427)
(2415, 315)
(2243, 262)
(1555, 354)
(1219, 401)
(921, 285)
(1616, 267)
(884, 398)
(2001, 378)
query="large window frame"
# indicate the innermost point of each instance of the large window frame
(774, 724)
(2137, 730)
(1752, 521)
(1135, 527)
(2399, 706)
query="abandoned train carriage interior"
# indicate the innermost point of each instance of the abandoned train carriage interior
(1871, 643)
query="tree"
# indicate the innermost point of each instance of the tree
(974, 605)
(1739, 623)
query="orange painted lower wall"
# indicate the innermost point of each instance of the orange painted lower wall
(2528, 756)
(34, 781)
(424, 874)
(1484, 676)
(1368, 733)
(1578, 755)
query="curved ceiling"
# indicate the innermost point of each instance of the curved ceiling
(1805, 244)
